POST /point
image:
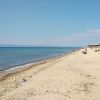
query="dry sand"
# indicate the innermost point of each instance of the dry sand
(72, 77)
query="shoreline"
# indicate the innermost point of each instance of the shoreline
(72, 76)
(27, 66)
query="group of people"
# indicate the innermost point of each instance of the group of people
(95, 50)
(85, 51)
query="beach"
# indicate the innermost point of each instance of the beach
(74, 76)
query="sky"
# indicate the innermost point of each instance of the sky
(50, 22)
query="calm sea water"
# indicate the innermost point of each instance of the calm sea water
(14, 56)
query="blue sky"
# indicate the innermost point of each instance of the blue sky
(50, 22)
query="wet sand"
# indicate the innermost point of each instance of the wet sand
(71, 77)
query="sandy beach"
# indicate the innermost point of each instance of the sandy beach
(75, 76)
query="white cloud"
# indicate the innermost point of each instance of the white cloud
(84, 38)
(94, 30)
(75, 39)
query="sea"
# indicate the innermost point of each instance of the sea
(11, 57)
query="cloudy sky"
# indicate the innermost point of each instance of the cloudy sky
(50, 22)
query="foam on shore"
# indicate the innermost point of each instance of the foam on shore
(27, 66)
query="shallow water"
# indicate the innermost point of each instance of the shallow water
(14, 56)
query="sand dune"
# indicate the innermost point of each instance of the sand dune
(71, 77)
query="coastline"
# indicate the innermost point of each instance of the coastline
(72, 76)
(27, 66)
